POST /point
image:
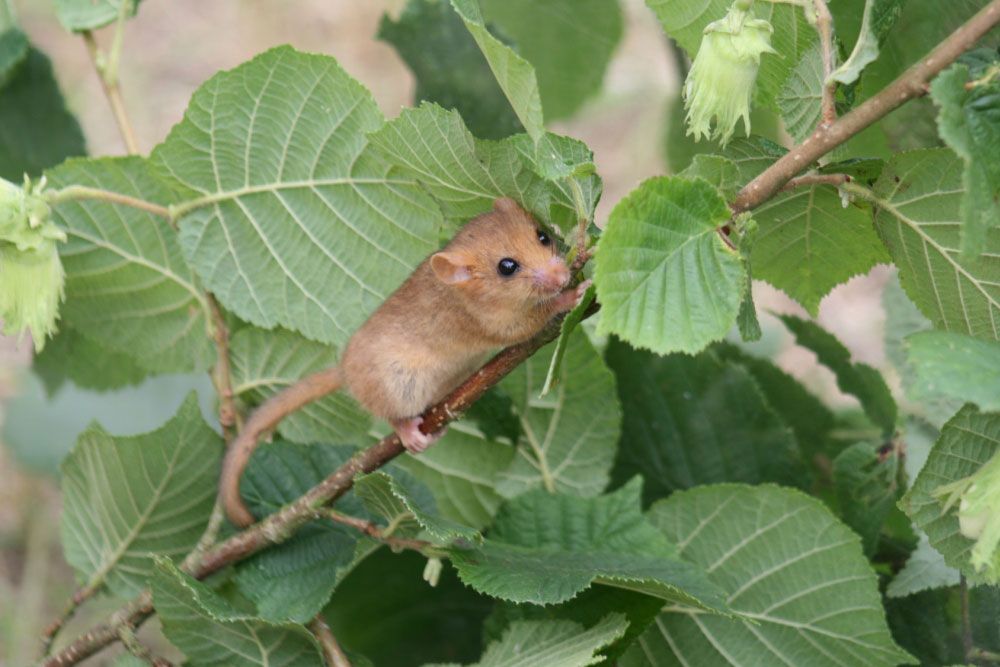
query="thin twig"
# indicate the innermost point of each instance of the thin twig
(107, 72)
(816, 179)
(138, 649)
(79, 596)
(963, 589)
(912, 83)
(222, 373)
(824, 26)
(82, 192)
(373, 530)
(332, 653)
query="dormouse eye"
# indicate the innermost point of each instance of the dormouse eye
(544, 238)
(507, 266)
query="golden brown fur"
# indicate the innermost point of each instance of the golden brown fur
(430, 334)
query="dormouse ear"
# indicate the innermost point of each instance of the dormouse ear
(450, 268)
(506, 205)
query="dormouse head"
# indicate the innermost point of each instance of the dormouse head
(503, 258)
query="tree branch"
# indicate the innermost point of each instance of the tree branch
(373, 530)
(332, 653)
(816, 179)
(912, 83)
(281, 525)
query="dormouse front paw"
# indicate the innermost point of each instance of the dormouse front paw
(571, 298)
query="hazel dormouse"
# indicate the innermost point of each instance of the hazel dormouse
(498, 282)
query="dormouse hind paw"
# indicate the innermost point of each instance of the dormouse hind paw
(414, 440)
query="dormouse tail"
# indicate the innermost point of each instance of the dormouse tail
(262, 420)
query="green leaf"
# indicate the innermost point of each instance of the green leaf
(809, 243)
(969, 122)
(493, 414)
(721, 172)
(752, 155)
(967, 441)
(867, 485)
(569, 436)
(78, 15)
(859, 380)
(462, 471)
(13, 50)
(552, 643)
(696, 420)
(685, 22)
(127, 284)
(878, 18)
(587, 608)
(70, 355)
(569, 324)
(545, 548)
(515, 75)
(926, 625)
(919, 196)
(465, 175)
(808, 417)
(449, 67)
(211, 633)
(36, 129)
(801, 95)
(956, 366)
(294, 580)
(395, 498)
(385, 610)
(796, 574)
(128, 499)
(902, 318)
(665, 279)
(925, 569)
(266, 362)
(568, 42)
(289, 219)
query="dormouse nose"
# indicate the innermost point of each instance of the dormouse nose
(554, 275)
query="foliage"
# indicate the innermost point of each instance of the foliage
(645, 490)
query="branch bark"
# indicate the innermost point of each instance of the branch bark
(281, 525)
(912, 83)
(332, 653)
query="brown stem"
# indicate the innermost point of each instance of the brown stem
(333, 655)
(281, 525)
(89, 643)
(222, 373)
(138, 649)
(824, 26)
(912, 83)
(373, 530)
(112, 91)
(816, 179)
(80, 596)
